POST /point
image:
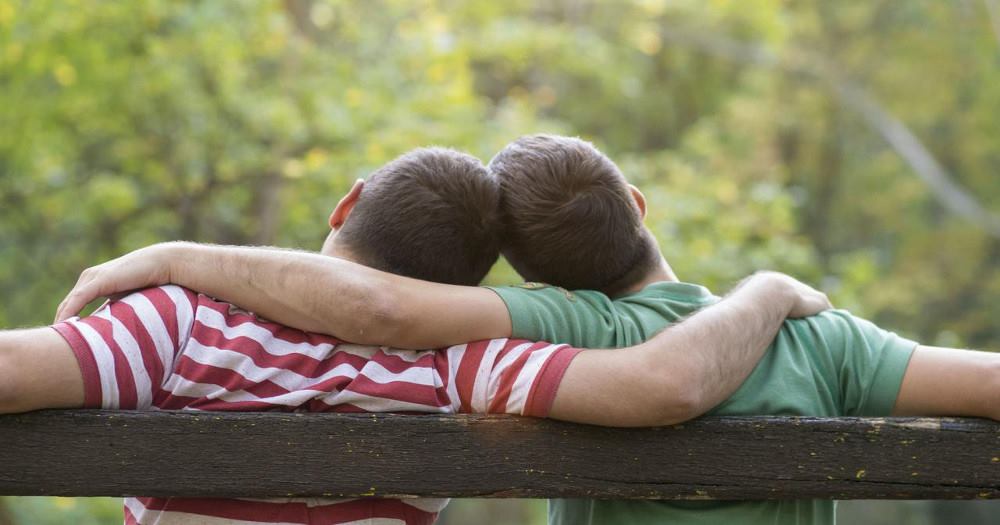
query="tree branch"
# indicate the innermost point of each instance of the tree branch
(907, 145)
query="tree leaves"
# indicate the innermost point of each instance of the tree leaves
(128, 123)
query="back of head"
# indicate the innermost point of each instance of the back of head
(568, 215)
(430, 214)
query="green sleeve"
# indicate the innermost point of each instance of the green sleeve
(546, 313)
(871, 362)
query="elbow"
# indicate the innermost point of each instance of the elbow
(382, 317)
(390, 322)
(685, 406)
(675, 401)
(673, 391)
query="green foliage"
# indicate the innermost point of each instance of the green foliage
(59, 511)
(127, 123)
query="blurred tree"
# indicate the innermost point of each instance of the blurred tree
(192, 120)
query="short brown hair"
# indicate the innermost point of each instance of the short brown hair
(430, 214)
(568, 216)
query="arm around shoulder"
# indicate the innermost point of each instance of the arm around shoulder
(345, 299)
(308, 291)
(312, 292)
(351, 301)
(433, 315)
(688, 368)
(624, 388)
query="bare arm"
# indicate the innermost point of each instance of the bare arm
(307, 291)
(946, 381)
(688, 368)
(37, 370)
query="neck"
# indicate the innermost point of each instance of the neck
(332, 248)
(660, 273)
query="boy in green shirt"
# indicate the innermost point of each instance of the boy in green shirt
(831, 364)
(571, 220)
(565, 201)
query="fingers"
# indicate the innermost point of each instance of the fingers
(810, 302)
(77, 298)
(138, 269)
(822, 302)
(806, 300)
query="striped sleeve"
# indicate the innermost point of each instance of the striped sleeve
(284, 511)
(126, 349)
(505, 376)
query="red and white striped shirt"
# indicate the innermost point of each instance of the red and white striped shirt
(168, 348)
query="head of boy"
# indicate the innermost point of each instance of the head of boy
(431, 214)
(570, 218)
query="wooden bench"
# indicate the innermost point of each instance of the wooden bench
(111, 453)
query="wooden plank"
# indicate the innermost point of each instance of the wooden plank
(105, 453)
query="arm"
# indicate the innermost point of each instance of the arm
(946, 381)
(37, 370)
(688, 368)
(120, 357)
(307, 291)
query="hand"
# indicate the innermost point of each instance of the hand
(802, 299)
(142, 268)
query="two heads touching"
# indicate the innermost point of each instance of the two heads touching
(560, 211)
(420, 233)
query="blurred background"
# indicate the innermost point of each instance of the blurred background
(852, 144)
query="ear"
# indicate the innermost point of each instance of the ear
(640, 200)
(346, 204)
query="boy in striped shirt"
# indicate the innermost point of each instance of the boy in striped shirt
(168, 348)
(430, 215)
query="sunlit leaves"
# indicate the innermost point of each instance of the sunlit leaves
(127, 123)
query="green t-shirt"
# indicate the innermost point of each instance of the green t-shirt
(832, 364)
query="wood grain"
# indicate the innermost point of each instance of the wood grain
(107, 453)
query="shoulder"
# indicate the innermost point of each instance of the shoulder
(226, 320)
(170, 292)
(532, 292)
(838, 320)
(837, 328)
(551, 303)
(167, 302)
